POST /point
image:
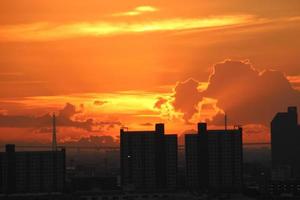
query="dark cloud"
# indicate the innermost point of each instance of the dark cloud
(99, 103)
(44, 130)
(64, 118)
(160, 101)
(94, 140)
(107, 124)
(68, 111)
(22, 121)
(208, 107)
(146, 124)
(186, 98)
(219, 119)
(248, 96)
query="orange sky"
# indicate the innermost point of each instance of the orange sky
(134, 63)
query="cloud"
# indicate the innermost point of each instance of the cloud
(99, 103)
(20, 121)
(160, 101)
(3, 111)
(219, 119)
(68, 111)
(183, 90)
(295, 81)
(44, 130)
(48, 31)
(164, 105)
(93, 140)
(147, 124)
(256, 133)
(248, 95)
(137, 11)
(65, 118)
(187, 102)
(245, 94)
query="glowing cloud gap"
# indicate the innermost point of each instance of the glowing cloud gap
(47, 31)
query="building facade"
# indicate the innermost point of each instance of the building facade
(285, 140)
(214, 159)
(148, 160)
(31, 171)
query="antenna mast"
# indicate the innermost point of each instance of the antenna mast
(225, 121)
(54, 143)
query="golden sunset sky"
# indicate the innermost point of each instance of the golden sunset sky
(101, 65)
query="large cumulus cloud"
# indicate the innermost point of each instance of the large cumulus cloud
(247, 95)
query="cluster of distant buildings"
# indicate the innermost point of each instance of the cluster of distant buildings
(149, 159)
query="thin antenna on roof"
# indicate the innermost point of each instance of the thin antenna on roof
(54, 143)
(225, 121)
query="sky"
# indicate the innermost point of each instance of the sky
(103, 65)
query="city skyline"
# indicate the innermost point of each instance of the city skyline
(101, 66)
(151, 163)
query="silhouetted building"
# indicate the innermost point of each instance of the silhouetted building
(31, 171)
(285, 140)
(148, 160)
(214, 159)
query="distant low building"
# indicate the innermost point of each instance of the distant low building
(31, 171)
(281, 173)
(214, 159)
(148, 160)
(289, 189)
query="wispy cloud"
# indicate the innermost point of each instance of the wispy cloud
(136, 11)
(295, 81)
(48, 31)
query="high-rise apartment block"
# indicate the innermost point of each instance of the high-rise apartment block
(285, 141)
(148, 160)
(214, 159)
(31, 171)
